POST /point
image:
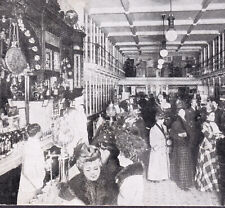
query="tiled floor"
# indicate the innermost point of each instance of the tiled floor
(167, 193)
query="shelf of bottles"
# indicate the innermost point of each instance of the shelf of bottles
(8, 140)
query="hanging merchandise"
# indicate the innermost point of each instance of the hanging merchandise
(16, 34)
(15, 59)
(67, 68)
(34, 51)
(71, 17)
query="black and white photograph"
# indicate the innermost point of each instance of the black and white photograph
(112, 102)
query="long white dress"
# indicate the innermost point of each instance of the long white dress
(158, 168)
(33, 171)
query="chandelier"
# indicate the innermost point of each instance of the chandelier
(171, 34)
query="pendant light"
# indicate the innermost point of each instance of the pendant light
(161, 61)
(163, 52)
(159, 66)
(171, 34)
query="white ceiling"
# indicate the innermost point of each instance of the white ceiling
(136, 26)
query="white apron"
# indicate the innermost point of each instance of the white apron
(33, 171)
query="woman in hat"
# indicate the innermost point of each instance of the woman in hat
(92, 185)
(181, 160)
(158, 168)
(206, 176)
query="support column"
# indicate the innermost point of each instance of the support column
(86, 97)
(100, 48)
(101, 92)
(223, 48)
(90, 94)
(106, 90)
(96, 93)
(208, 48)
(98, 43)
(107, 53)
(213, 55)
(86, 37)
(27, 98)
(91, 41)
(103, 50)
(94, 44)
(219, 52)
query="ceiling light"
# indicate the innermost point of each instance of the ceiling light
(163, 52)
(159, 66)
(161, 61)
(171, 34)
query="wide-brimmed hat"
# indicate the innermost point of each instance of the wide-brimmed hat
(160, 114)
(86, 153)
(180, 104)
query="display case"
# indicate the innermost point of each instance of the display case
(49, 51)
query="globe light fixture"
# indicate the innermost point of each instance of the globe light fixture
(163, 52)
(159, 66)
(171, 34)
(161, 61)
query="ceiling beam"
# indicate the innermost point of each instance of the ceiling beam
(190, 30)
(157, 23)
(157, 49)
(125, 4)
(158, 42)
(179, 32)
(164, 8)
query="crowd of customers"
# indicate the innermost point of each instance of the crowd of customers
(159, 138)
(194, 129)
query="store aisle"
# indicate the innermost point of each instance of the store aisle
(167, 193)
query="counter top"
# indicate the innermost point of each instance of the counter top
(14, 159)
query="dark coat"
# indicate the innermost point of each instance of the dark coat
(194, 131)
(218, 116)
(191, 119)
(190, 116)
(100, 192)
(181, 160)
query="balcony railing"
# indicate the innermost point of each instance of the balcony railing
(214, 64)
